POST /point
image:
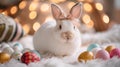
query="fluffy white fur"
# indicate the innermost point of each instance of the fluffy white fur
(70, 61)
(48, 38)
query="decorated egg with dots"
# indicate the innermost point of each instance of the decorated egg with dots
(109, 48)
(85, 56)
(9, 29)
(18, 47)
(102, 54)
(29, 57)
(4, 57)
(91, 46)
(115, 52)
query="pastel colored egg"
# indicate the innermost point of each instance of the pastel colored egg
(115, 52)
(95, 50)
(17, 55)
(91, 46)
(109, 48)
(18, 47)
(8, 50)
(4, 57)
(102, 54)
(85, 56)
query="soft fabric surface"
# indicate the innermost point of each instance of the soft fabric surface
(110, 37)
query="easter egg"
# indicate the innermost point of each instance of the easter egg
(4, 57)
(115, 52)
(91, 46)
(102, 54)
(109, 48)
(95, 50)
(6, 48)
(18, 47)
(85, 56)
(9, 29)
(29, 57)
(17, 55)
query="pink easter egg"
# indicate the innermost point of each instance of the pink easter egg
(102, 54)
(115, 52)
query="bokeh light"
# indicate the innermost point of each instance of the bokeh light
(86, 18)
(87, 7)
(33, 6)
(26, 28)
(22, 5)
(44, 7)
(106, 19)
(90, 24)
(99, 6)
(36, 26)
(13, 10)
(32, 15)
(57, 1)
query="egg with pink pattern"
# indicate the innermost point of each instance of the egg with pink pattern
(115, 52)
(102, 54)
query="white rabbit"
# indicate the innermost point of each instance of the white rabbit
(60, 37)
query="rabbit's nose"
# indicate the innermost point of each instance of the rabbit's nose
(67, 35)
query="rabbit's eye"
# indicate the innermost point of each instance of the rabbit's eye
(60, 27)
(74, 27)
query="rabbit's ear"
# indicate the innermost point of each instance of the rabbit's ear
(57, 12)
(76, 10)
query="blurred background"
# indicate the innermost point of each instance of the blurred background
(97, 15)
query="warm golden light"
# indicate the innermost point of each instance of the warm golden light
(22, 5)
(16, 19)
(87, 7)
(5, 12)
(106, 19)
(26, 28)
(90, 24)
(33, 6)
(44, 7)
(13, 10)
(36, 26)
(32, 15)
(86, 19)
(49, 18)
(70, 4)
(85, 0)
(99, 6)
(57, 1)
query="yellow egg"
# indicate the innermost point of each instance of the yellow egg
(109, 48)
(85, 56)
(4, 57)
